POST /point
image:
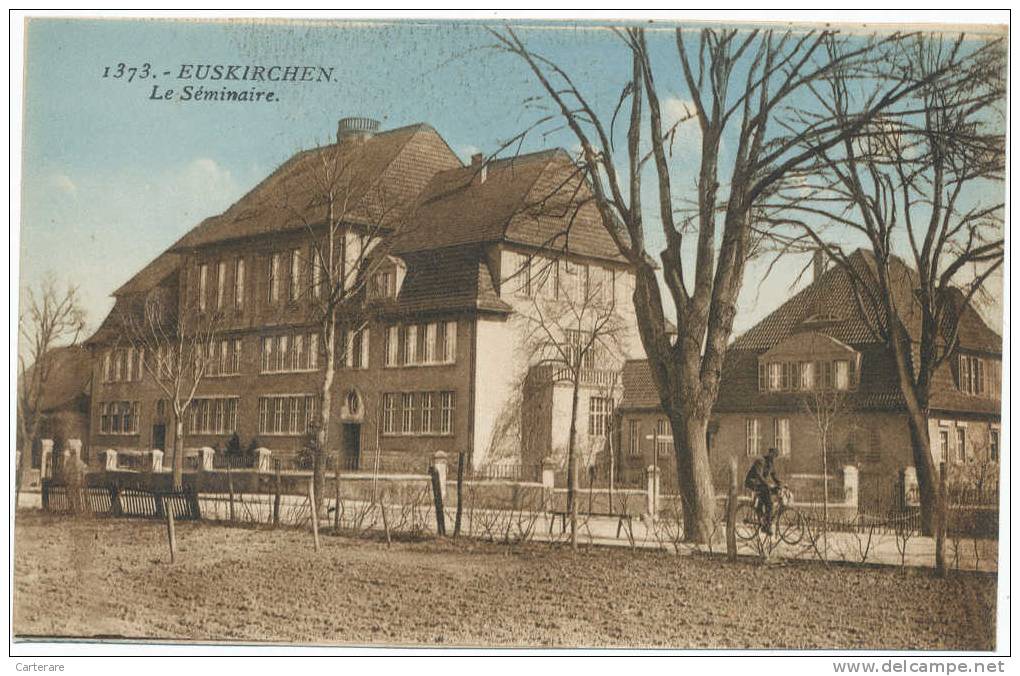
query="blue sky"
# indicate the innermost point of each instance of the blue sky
(110, 178)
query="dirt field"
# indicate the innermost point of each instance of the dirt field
(112, 578)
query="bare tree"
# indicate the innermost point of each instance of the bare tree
(176, 348)
(50, 317)
(828, 410)
(573, 329)
(740, 85)
(352, 222)
(925, 179)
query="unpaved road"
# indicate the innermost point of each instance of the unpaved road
(107, 577)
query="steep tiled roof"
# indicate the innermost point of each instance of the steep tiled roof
(537, 200)
(157, 270)
(639, 391)
(381, 177)
(70, 370)
(828, 306)
(447, 280)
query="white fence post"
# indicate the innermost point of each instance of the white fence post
(263, 460)
(205, 459)
(548, 481)
(851, 481)
(652, 492)
(73, 446)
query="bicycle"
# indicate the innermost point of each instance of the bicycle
(787, 522)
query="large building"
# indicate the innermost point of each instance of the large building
(440, 343)
(815, 358)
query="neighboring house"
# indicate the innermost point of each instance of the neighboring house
(817, 350)
(65, 400)
(438, 366)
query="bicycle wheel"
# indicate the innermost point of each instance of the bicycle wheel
(789, 526)
(746, 524)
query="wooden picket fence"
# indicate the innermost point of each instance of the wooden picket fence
(113, 500)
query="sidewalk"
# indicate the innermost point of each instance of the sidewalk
(963, 554)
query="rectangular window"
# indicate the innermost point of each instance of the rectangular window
(663, 438)
(382, 285)
(286, 415)
(118, 417)
(961, 444)
(410, 344)
(520, 273)
(316, 274)
(289, 353)
(274, 278)
(300, 358)
(450, 343)
(598, 416)
(407, 413)
(213, 416)
(130, 359)
(235, 357)
(842, 374)
(118, 365)
(431, 331)
(107, 364)
(775, 376)
(785, 378)
(283, 354)
(943, 446)
(763, 378)
(993, 445)
(389, 413)
(203, 285)
(428, 417)
(313, 351)
(633, 438)
(807, 375)
(221, 283)
(392, 346)
(295, 274)
(751, 437)
(356, 349)
(781, 432)
(239, 284)
(447, 401)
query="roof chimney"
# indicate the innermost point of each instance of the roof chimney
(356, 128)
(818, 264)
(480, 166)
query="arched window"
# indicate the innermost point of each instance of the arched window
(353, 403)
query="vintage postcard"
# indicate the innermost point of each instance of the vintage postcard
(675, 334)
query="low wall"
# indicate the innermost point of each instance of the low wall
(497, 494)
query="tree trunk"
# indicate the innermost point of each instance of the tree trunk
(927, 481)
(572, 463)
(694, 475)
(825, 497)
(20, 471)
(178, 451)
(325, 411)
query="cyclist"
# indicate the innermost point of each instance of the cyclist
(762, 479)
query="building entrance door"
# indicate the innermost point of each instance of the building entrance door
(352, 445)
(159, 437)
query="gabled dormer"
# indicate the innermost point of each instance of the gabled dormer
(386, 278)
(809, 361)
